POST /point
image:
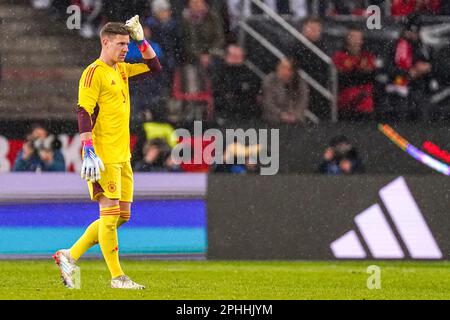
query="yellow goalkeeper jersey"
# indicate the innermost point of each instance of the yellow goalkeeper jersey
(104, 94)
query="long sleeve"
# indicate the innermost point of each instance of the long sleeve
(144, 69)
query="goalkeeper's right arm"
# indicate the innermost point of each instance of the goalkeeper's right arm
(92, 164)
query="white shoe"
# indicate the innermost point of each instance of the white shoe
(123, 282)
(67, 267)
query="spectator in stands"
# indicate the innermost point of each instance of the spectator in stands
(27, 159)
(356, 69)
(221, 8)
(41, 138)
(235, 87)
(51, 160)
(242, 9)
(313, 65)
(411, 72)
(41, 152)
(312, 29)
(285, 95)
(203, 32)
(157, 158)
(402, 7)
(340, 157)
(408, 7)
(165, 31)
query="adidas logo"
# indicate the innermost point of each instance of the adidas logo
(378, 235)
(113, 82)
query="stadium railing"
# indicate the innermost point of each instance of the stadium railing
(329, 93)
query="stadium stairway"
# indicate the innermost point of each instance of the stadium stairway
(41, 63)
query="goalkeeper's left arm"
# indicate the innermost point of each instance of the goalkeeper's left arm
(148, 54)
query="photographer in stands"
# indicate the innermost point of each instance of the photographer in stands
(41, 152)
(340, 157)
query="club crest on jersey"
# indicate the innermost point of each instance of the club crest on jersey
(112, 186)
(124, 77)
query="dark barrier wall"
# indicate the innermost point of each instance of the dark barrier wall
(315, 217)
(302, 147)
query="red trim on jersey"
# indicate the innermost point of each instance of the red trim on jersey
(90, 75)
(87, 76)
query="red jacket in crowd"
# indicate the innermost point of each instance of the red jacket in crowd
(407, 7)
(407, 55)
(355, 81)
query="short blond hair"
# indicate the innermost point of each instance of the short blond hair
(113, 28)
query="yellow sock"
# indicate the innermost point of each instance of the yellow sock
(107, 236)
(90, 236)
(86, 241)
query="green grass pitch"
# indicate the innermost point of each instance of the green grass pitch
(180, 280)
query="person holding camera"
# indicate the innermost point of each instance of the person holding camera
(340, 157)
(27, 159)
(41, 152)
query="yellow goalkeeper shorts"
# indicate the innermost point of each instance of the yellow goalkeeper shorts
(116, 183)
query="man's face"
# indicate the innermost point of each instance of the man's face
(355, 40)
(116, 47)
(152, 154)
(285, 71)
(39, 133)
(312, 31)
(163, 15)
(235, 56)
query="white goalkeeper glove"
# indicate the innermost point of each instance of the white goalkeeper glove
(92, 164)
(134, 27)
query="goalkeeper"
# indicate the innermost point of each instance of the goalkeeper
(103, 120)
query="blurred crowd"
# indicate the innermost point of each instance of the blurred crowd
(41, 152)
(206, 75)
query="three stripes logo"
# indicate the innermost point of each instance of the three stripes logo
(89, 76)
(380, 238)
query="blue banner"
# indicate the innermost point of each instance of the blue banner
(156, 227)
